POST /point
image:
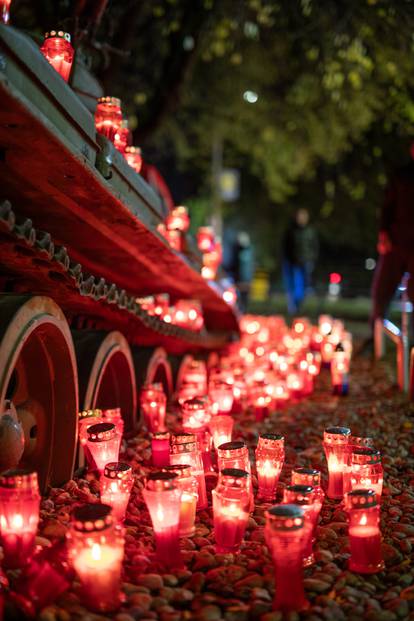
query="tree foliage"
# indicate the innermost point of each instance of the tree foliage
(334, 83)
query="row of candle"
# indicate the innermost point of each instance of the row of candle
(185, 313)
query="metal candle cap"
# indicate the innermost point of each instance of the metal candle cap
(134, 150)
(92, 517)
(102, 432)
(195, 404)
(112, 101)
(361, 441)
(90, 414)
(361, 499)
(285, 517)
(183, 438)
(366, 456)
(118, 470)
(19, 479)
(336, 435)
(161, 435)
(181, 470)
(58, 33)
(306, 476)
(161, 481)
(234, 477)
(271, 440)
(300, 494)
(231, 446)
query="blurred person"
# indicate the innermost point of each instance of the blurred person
(300, 249)
(243, 267)
(395, 240)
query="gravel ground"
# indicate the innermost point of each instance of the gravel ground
(240, 587)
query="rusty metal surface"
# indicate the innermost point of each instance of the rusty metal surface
(32, 262)
(50, 170)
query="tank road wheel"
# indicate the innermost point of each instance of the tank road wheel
(152, 365)
(106, 373)
(38, 374)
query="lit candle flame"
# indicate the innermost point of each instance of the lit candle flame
(96, 552)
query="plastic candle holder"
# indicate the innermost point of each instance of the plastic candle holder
(340, 371)
(188, 390)
(5, 11)
(184, 450)
(160, 446)
(19, 516)
(96, 550)
(59, 52)
(231, 503)
(86, 419)
(103, 443)
(286, 534)
(122, 137)
(221, 428)
(354, 442)
(108, 117)
(133, 156)
(163, 499)
(335, 445)
(114, 416)
(221, 394)
(196, 415)
(205, 238)
(178, 219)
(270, 456)
(236, 455)
(364, 532)
(187, 483)
(43, 580)
(153, 406)
(366, 470)
(260, 400)
(305, 497)
(196, 373)
(116, 485)
(309, 476)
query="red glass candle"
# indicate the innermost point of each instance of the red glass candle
(306, 498)
(160, 446)
(174, 238)
(286, 534)
(133, 156)
(270, 456)
(19, 516)
(188, 390)
(5, 11)
(208, 273)
(196, 373)
(231, 502)
(364, 532)
(116, 485)
(366, 470)
(340, 371)
(325, 323)
(114, 416)
(236, 455)
(178, 219)
(260, 400)
(335, 444)
(221, 395)
(196, 415)
(59, 52)
(294, 383)
(96, 550)
(108, 117)
(163, 499)
(103, 443)
(153, 406)
(281, 395)
(122, 137)
(86, 419)
(205, 238)
(306, 377)
(221, 428)
(354, 442)
(309, 476)
(184, 450)
(187, 483)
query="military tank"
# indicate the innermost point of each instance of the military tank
(79, 248)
